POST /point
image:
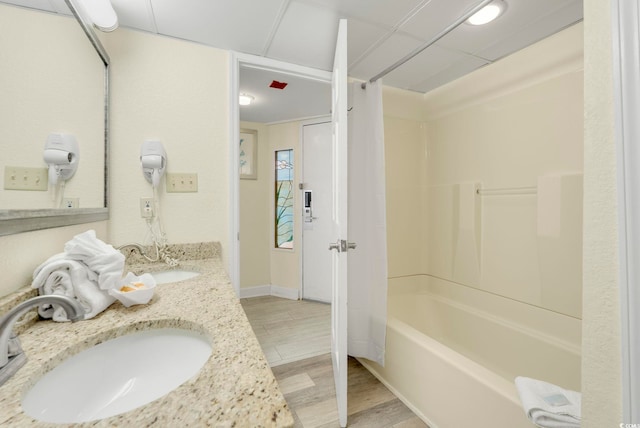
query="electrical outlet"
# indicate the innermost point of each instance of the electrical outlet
(70, 202)
(24, 178)
(147, 207)
(181, 183)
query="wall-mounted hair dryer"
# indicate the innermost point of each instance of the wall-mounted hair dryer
(154, 161)
(61, 153)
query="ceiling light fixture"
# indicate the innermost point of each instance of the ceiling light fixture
(101, 14)
(245, 99)
(488, 13)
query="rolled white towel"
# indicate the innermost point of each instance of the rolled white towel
(59, 262)
(100, 257)
(548, 405)
(58, 282)
(73, 279)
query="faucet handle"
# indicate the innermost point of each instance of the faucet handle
(15, 348)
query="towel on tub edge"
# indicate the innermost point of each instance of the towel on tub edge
(548, 405)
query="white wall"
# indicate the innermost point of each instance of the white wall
(176, 92)
(601, 379)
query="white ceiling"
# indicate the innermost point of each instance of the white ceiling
(380, 32)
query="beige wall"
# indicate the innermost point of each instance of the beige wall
(285, 264)
(177, 92)
(255, 222)
(260, 263)
(20, 254)
(510, 125)
(601, 380)
(52, 81)
(406, 172)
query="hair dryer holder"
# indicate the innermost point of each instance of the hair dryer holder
(153, 159)
(61, 153)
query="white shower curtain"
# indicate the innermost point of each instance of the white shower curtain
(367, 267)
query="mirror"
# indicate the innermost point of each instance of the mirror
(53, 82)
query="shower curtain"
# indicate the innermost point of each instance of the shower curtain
(367, 266)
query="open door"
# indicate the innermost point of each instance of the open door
(340, 246)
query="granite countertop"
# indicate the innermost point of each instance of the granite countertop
(235, 388)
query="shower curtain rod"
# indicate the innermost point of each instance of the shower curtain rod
(419, 49)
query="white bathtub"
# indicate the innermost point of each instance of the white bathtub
(452, 353)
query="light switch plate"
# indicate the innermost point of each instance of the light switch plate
(25, 178)
(182, 182)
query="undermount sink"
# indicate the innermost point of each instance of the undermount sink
(173, 275)
(117, 376)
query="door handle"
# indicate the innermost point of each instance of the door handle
(343, 246)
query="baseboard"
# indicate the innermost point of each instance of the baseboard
(284, 292)
(269, 290)
(255, 291)
(395, 392)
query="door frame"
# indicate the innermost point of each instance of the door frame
(235, 61)
(314, 121)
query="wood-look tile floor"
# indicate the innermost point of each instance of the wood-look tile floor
(296, 338)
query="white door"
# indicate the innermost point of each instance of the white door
(316, 211)
(339, 235)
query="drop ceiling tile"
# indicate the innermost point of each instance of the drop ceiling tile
(306, 36)
(390, 51)
(431, 62)
(61, 7)
(135, 14)
(535, 31)
(241, 25)
(383, 12)
(522, 23)
(361, 36)
(436, 16)
(452, 72)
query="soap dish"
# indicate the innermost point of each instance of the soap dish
(134, 290)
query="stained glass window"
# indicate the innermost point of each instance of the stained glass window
(284, 199)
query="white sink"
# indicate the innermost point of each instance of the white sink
(174, 275)
(117, 376)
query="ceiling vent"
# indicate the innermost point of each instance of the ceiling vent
(278, 85)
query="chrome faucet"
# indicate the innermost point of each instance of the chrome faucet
(11, 355)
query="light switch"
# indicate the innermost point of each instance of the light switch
(25, 178)
(181, 182)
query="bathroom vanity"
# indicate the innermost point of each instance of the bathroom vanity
(235, 387)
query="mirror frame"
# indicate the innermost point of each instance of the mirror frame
(18, 221)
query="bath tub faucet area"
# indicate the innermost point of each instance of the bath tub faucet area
(11, 355)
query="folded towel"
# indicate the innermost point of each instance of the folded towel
(102, 258)
(548, 405)
(73, 279)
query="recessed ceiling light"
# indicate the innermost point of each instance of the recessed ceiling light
(245, 99)
(488, 13)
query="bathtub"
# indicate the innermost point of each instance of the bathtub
(453, 352)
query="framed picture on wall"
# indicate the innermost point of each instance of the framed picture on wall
(249, 154)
